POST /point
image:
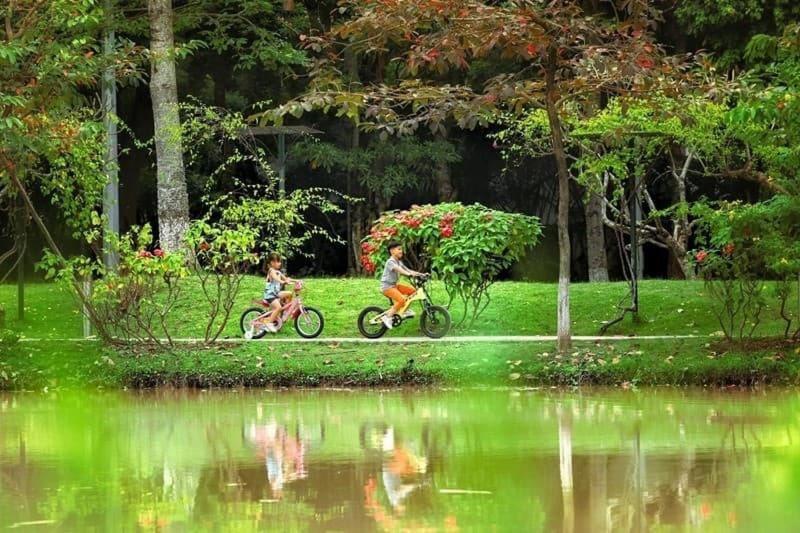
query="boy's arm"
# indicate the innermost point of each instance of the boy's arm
(407, 271)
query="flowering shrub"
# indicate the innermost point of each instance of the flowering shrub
(466, 246)
(746, 244)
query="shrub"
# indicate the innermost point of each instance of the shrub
(748, 243)
(466, 246)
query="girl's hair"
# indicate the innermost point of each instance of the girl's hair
(274, 256)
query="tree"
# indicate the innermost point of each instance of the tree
(50, 140)
(173, 200)
(382, 170)
(641, 154)
(548, 55)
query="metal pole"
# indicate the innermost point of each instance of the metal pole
(111, 191)
(282, 164)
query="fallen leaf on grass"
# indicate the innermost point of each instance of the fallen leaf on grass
(513, 376)
(601, 361)
(327, 362)
(615, 361)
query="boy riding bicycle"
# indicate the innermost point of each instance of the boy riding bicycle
(390, 286)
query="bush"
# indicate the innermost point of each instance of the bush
(747, 243)
(466, 246)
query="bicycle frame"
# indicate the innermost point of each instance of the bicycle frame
(420, 294)
(292, 309)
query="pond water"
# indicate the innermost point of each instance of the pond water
(457, 460)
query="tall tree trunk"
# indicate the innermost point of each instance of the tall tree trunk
(173, 200)
(445, 190)
(353, 229)
(595, 239)
(564, 252)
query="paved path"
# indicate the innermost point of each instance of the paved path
(419, 340)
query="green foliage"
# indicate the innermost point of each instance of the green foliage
(282, 223)
(744, 244)
(383, 168)
(50, 138)
(466, 246)
(253, 32)
(767, 115)
(222, 256)
(725, 27)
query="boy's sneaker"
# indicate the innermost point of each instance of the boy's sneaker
(409, 314)
(270, 326)
(387, 321)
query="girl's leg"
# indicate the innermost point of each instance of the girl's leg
(276, 311)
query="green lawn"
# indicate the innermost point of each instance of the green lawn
(34, 366)
(668, 307)
(517, 308)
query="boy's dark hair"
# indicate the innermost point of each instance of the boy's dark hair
(392, 245)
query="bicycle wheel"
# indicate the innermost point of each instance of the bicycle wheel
(254, 331)
(309, 323)
(368, 324)
(435, 321)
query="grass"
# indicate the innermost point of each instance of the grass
(34, 366)
(668, 307)
(517, 308)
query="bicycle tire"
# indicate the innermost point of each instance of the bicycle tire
(370, 333)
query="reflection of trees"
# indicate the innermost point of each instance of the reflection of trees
(565, 466)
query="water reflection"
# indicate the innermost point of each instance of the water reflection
(387, 461)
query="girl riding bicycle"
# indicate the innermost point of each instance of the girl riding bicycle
(274, 294)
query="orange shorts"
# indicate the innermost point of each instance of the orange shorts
(398, 294)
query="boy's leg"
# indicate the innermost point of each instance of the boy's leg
(396, 295)
(406, 291)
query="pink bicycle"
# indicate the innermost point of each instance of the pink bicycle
(308, 322)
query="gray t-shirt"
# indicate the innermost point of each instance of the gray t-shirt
(390, 275)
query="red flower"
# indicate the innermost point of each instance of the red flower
(412, 222)
(145, 254)
(728, 249)
(367, 263)
(531, 49)
(447, 219)
(701, 256)
(391, 232)
(645, 62)
(367, 247)
(431, 55)
(158, 252)
(446, 232)
(204, 246)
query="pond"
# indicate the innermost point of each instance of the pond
(439, 460)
